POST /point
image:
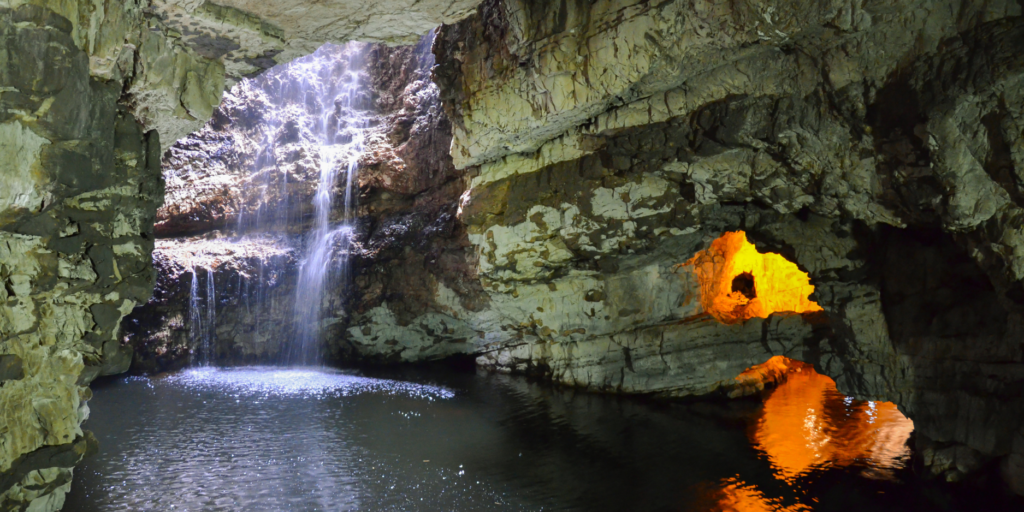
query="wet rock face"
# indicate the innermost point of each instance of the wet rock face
(877, 149)
(81, 182)
(245, 319)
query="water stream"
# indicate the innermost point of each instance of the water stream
(202, 315)
(298, 187)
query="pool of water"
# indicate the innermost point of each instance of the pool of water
(273, 439)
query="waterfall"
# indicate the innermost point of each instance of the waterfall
(195, 315)
(210, 332)
(317, 106)
(202, 324)
(341, 132)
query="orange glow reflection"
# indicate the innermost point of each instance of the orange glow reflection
(738, 283)
(735, 495)
(806, 424)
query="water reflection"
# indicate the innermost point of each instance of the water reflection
(235, 439)
(806, 424)
(807, 428)
(424, 440)
(735, 495)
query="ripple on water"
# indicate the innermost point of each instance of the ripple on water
(306, 439)
(253, 439)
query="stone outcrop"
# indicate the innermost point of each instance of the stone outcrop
(250, 36)
(81, 185)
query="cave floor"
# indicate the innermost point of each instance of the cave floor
(441, 439)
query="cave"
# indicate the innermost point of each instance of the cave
(505, 254)
(744, 284)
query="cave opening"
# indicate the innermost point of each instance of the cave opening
(737, 282)
(744, 284)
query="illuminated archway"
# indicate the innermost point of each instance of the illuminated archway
(738, 283)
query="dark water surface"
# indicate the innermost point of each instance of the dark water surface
(272, 439)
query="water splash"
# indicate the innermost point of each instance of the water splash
(307, 383)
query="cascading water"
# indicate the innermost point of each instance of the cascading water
(201, 324)
(211, 319)
(317, 106)
(341, 132)
(195, 315)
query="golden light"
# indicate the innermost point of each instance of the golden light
(738, 283)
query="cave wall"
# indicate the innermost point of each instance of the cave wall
(607, 143)
(81, 185)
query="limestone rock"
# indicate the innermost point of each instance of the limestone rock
(251, 36)
(523, 73)
(75, 241)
